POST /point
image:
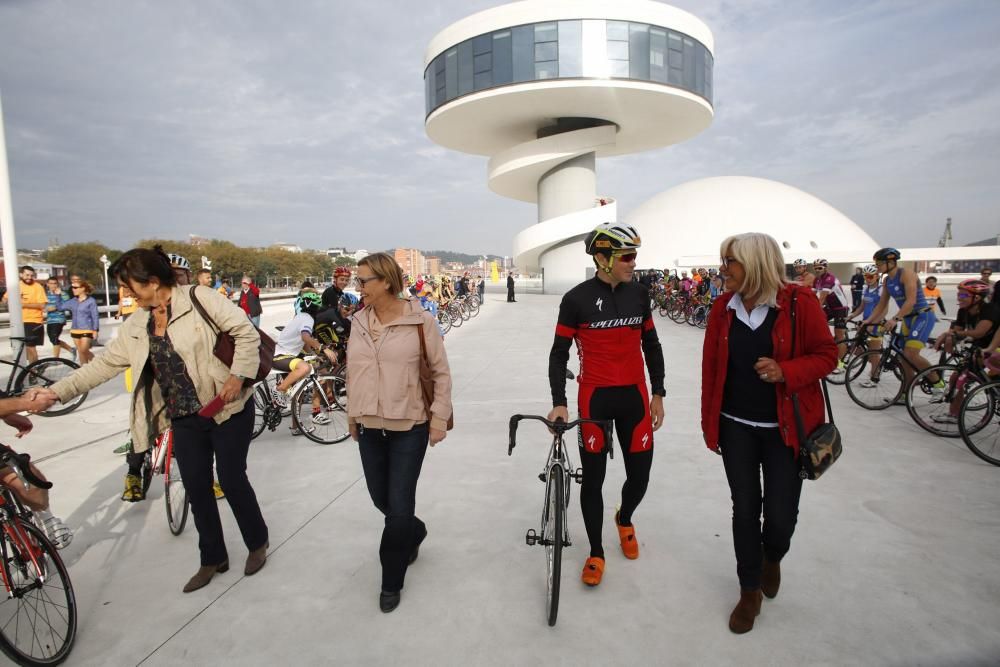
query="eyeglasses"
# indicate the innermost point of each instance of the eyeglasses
(625, 257)
(964, 295)
(361, 282)
(75, 286)
(724, 262)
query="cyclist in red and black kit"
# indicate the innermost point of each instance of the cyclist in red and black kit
(610, 320)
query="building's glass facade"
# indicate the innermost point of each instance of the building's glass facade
(587, 48)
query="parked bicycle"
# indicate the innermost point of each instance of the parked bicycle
(42, 373)
(317, 404)
(876, 379)
(38, 617)
(553, 533)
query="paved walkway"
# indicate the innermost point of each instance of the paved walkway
(894, 561)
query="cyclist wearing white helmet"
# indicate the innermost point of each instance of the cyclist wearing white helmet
(869, 299)
(803, 275)
(610, 320)
(181, 267)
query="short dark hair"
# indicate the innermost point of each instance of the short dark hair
(26, 267)
(305, 284)
(934, 278)
(140, 265)
(201, 271)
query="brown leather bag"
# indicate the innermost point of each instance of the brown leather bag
(427, 380)
(225, 345)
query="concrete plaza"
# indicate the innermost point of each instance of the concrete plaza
(893, 563)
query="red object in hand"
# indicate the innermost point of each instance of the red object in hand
(213, 408)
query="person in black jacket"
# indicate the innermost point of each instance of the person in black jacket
(857, 287)
(610, 320)
(510, 287)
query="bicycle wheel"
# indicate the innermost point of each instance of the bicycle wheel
(931, 408)
(553, 520)
(38, 616)
(979, 422)
(271, 381)
(444, 319)
(260, 402)
(879, 387)
(328, 424)
(45, 373)
(456, 315)
(175, 496)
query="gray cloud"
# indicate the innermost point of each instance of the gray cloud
(303, 122)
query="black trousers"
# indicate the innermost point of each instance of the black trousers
(510, 294)
(197, 441)
(746, 451)
(392, 462)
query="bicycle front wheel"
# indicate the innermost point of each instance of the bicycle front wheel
(175, 496)
(38, 616)
(979, 422)
(45, 373)
(878, 387)
(320, 409)
(931, 407)
(553, 527)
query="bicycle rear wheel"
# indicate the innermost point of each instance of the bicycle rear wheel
(175, 496)
(979, 422)
(878, 387)
(38, 616)
(553, 527)
(260, 405)
(45, 373)
(930, 408)
(329, 425)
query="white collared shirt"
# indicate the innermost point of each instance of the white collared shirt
(754, 318)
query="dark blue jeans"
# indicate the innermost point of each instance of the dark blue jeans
(392, 461)
(747, 451)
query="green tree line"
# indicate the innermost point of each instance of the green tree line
(228, 260)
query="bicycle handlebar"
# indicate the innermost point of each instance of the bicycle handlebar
(559, 427)
(19, 463)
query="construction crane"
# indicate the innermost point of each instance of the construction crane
(945, 240)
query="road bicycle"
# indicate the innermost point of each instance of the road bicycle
(38, 616)
(322, 389)
(159, 460)
(979, 421)
(938, 411)
(876, 379)
(38, 374)
(553, 533)
(856, 342)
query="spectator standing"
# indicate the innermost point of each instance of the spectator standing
(55, 318)
(86, 321)
(933, 295)
(333, 293)
(748, 374)
(203, 277)
(388, 416)
(34, 302)
(510, 287)
(857, 288)
(481, 289)
(250, 300)
(225, 289)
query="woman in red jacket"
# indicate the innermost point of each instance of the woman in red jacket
(748, 376)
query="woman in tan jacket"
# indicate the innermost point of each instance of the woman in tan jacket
(169, 347)
(387, 413)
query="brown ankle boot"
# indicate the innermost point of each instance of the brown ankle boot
(204, 575)
(770, 578)
(747, 609)
(256, 560)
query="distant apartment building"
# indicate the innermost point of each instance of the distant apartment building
(197, 241)
(334, 253)
(433, 266)
(411, 260)
(288, 247)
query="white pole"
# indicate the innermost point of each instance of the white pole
(9, 241)
(107, 287)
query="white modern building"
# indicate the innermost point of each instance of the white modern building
(544, 87)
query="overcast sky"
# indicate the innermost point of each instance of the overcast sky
(302, 121)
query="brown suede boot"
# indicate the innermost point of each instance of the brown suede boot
(256, 560)
(204, 575)
(747, 609)
(770, 578)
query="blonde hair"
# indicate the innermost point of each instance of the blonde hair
(763, 265)
(384, 266)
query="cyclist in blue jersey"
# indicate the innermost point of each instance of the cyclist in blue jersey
(870, 295)
(903, 287)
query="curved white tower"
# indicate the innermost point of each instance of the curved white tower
(544, 87)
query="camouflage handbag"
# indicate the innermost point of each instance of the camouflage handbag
(821, 448)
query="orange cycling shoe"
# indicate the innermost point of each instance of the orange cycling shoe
(593, 570)
(630, 545)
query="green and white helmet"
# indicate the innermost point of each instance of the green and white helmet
(609, 237)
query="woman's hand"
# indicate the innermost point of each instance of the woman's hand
(437, 435)
(353, 428)
(769, 370)
(231, 390)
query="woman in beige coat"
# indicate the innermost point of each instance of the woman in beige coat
(169, 347)
(387, 412)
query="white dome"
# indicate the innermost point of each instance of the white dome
(685, 225)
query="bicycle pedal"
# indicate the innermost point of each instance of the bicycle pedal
(531, 537)
(578, 475)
